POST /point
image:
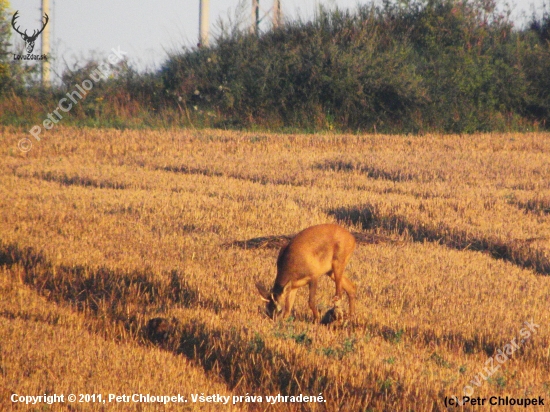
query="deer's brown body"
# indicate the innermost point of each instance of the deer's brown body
(316, 251)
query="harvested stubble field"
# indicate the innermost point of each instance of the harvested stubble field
(103, 230)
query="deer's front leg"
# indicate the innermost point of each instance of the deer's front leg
(289, 302)
(312, 300)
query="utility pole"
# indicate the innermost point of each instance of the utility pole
(45, 45)
(203, 22)
(254, 29)
(276, 13)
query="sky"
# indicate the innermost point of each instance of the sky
(149, 30)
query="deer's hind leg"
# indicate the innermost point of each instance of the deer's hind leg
(342, 282)
(350, 289)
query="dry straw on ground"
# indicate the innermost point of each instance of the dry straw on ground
(103, 230)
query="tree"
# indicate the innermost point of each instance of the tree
(5, 72)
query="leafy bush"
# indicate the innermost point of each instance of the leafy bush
(449, 65)
(411, 66)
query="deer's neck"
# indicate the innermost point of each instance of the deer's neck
(277, 290)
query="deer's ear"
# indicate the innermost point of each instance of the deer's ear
(265, 295)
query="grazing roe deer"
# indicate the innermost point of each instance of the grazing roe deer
(315, 251)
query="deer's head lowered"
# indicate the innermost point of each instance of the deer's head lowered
(29, 40)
